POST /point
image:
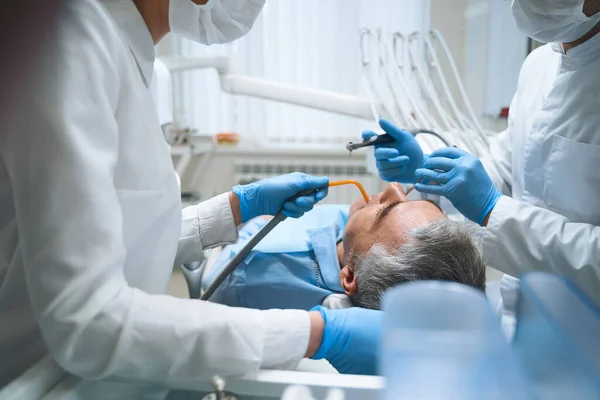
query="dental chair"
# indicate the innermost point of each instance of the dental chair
(193, 272)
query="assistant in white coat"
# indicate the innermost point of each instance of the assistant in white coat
(91, 226)
(540, 207)
(546, 165)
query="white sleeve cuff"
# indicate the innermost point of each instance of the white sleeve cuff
(205, 225)
(286, 338)
(217, 226)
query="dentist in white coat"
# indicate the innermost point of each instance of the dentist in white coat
(537, 192)
(91, 222)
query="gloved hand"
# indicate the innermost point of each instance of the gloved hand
(268, 196)
(461, 178)
(351, 339)
(398, 161)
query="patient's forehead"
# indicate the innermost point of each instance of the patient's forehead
(407, 215)
(391, 229)
(417, 212)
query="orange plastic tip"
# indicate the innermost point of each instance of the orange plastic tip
(352, 182)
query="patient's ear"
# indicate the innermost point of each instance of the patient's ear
(348, 280)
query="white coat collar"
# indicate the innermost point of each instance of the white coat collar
(583, 53)
(133, 27)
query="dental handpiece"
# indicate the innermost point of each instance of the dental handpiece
(386, 139)
(372, 141)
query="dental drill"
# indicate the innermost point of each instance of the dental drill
(386, 139)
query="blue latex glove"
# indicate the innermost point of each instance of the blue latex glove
(461, 178)
(268, 196)
(398, 161)
(351, 339)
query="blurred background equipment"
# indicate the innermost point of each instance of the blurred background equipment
(311, 76)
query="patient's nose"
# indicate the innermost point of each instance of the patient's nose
(393, 192)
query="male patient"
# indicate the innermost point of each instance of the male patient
(360, 250)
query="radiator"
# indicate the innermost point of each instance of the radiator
(250, 171)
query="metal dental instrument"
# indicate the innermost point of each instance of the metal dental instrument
(373, 140)
(385, 139)
(254, 240)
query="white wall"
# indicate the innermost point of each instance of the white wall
(494, 52)
(448, 16)
(475, 58)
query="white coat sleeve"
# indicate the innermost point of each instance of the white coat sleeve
(520, 237)
(203, 226)
(61, 156)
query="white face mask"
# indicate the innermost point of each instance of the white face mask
(218, 21)
(553, 20)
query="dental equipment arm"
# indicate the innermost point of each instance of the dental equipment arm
(244, 85)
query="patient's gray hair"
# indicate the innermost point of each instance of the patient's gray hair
(441, 250)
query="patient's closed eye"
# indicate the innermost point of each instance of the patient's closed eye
(383, 211)
(379, 211)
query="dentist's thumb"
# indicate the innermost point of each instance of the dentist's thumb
(399, 134)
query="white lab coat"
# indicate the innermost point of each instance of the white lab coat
(546, 163)
(91, 225)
